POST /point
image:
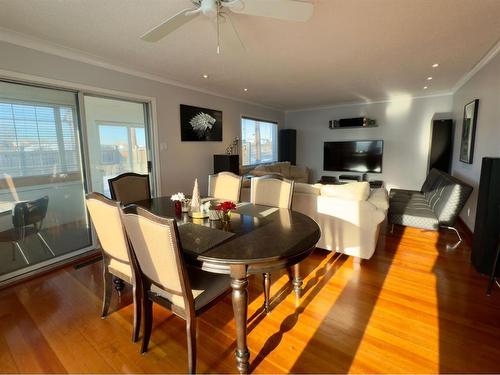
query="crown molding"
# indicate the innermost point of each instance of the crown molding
(366, 102)
(23, 40)
(488, 56)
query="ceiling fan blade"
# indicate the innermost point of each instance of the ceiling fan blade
(170, 25)
(288, 10)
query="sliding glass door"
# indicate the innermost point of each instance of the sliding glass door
(42, 190)
(48, 161)
(117, 139)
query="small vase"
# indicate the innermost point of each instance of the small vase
(226, 218)
(178, 208)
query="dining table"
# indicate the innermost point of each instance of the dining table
(257, 240)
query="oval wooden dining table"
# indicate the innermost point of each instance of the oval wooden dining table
(258, 239)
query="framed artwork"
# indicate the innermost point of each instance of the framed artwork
(469, 132)
(200, 124)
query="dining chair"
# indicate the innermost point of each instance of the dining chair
(156, 254)
(105, 215)
(129, 187)
(225, 186)
(274, 191)
(27, 220)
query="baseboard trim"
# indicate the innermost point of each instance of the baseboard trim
(465, 231)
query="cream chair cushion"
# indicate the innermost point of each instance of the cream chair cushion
(153, 245)
(224, 186)
(131, 189)
(359, 191)
(271, 192)
(205, 287)
(108, 226)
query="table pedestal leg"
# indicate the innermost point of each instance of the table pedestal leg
(239, 283)
(296, 279)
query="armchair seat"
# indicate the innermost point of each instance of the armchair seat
(403, 194)
(205, 286)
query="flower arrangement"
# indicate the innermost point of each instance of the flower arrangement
(225, 209)
(178, 197)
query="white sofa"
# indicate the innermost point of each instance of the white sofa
(350, 216)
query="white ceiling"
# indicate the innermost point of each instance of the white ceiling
(350, 50)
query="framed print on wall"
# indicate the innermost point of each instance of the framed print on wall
(469, 132)
(200, 124)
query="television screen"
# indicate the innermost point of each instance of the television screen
(353, 156)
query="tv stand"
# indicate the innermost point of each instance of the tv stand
(350, 177)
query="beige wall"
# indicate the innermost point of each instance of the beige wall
(485, 86)
(180, 162)
(403, 125)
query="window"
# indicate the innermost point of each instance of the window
(37, 139)
(259, 141)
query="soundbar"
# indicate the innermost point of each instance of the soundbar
(356, 122)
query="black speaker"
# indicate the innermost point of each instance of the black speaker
(227, 163)
(487, 226)
(287, 145)
(441, 145)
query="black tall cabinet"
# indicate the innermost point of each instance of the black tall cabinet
(441, 145)
(487, 226)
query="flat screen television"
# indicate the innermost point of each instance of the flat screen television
(353, 156)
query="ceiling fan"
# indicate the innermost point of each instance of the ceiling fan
(219, 10)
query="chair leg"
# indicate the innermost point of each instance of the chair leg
(147, 306)
(108, 284)
(453, 247)
(266, 283)
(136, 293)
(191, 344)
(22, 252)
(42, 240)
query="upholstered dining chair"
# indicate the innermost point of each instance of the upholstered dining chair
(272, 191)
(27, 220)
(129, 187)
(225, 186)
(105, 215)
(156, 254)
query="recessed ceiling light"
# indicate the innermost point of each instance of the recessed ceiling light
(205, 76)
(435, 65)
(425, 87)
(429, 78)
(245, 90)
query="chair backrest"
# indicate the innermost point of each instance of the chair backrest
(225, 185)
(30, 212)
(271, 191)
(105, 215)
(155, 243)
(129, 187)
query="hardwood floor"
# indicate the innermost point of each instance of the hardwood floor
(413, 308)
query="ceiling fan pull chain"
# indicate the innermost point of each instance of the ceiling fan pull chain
(218, 31)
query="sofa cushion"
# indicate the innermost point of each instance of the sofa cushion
(359, 191)
(307, 188)
(299, 174)
(420, 216)
(378, 197)
(402, 194)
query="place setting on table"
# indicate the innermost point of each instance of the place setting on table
(238, 239)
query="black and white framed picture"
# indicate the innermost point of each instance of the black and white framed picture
(469, 132)
(200, 124)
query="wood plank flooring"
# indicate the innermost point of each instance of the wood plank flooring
(413, 308)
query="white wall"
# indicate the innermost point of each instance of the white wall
(485, 86)
(180, 162)
(404, 126)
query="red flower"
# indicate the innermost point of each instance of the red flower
(225, 206)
